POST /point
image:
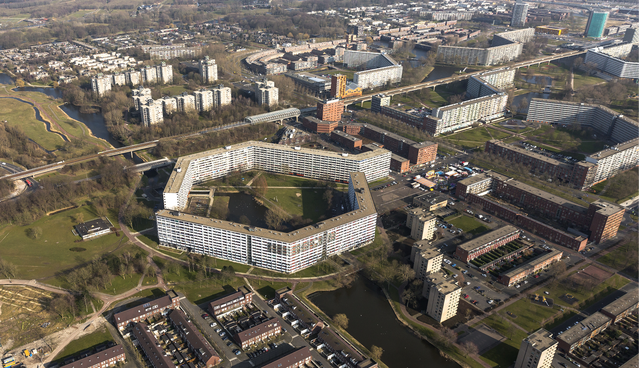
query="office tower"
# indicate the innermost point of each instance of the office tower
(537, 350)
(596, 24)
(208, 70)
(520, 11)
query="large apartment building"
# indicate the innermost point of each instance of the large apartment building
(601, 219)
(474, 248)
(230, 303)
(151, 112)
(297, 358)
(623, 306)
(427, 259)
(330, 110)
(101, 84)
(203, 100)
(269, 249)
(443, 296)
(531, 267)
(421, 223)
(208, 70)
(520, 12)
(537, 350)
(464, 114)
(266, 93)
(150, 74)
(140, 96)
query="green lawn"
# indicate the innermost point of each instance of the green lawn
(469, 225)
(319, 269)
(309, 204)
(98, 337)
(558, 289)
(476, 137)
(267, 288)
(623, 258)
(172, 90)
(43, 257)
(150, 240)
(497, 134)
(207, 291)
(20, 114)
(274, 180)
(584, 80)
(529, 315)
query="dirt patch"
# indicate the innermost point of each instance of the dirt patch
(61, 210)
(596, 273)
(298, 194)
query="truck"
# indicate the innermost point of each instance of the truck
(27, 353)
(415, 185)
(8, 362)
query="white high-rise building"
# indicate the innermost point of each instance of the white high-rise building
(520, 12)
(221, 95)
(208, 70)
(119, 79)
(169, 105)
(185, 102)
(164, 73)
(101, 84)
(151, 113)
(133, 77)
(140, 96)
(203, 100)
(421, 223)
(266, 93)
(443, 295)
(149, 74)
(537, 350)
(428, 259)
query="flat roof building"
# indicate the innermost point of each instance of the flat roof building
(286, 252)
(94, 228)
(537, 350)
(517, 274)
(231, 302)
(443, 297)
(330, 110)
(146, 310)
(296, 358)
(421, 224)
(254, 335)
(474, 248)
(428, 259)
(623, 306)
(431, 201)
(583, 331)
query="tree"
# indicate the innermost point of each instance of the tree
(273, 219)
(34, 232)
(260, 186)
(79, 218)
(470, 348)
(578, 61)
(19, 83)
(328, 197)
(341, 320)
(376, 352)
(449, 336)
(405, 273)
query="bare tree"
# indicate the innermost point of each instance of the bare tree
(470, 348)
(341, 320)
(376, 352)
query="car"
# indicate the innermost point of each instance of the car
(455, 275)
(547, 293)
(489, 301)
(517, 286)
(484, 275)
(467, 283)
(473, 301)
(225, 338)
(205, 316)
(536, 276)
(213, 324)
(237, 352)
(465, 296)
(454, 265)
(562, 364)
(229, 343)
(218, 330)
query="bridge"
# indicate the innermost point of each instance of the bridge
(145, 166)
(455, 78)
(59, 165)
(273, 116)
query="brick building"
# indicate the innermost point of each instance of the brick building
(103, 359)
(230, 303)
(399, 164)
(348, 140)
(474, 248)
(533, 266)
(330, 110)
(294, 359)
(622, 307)
(601, 219)
(264, 330)
(144, 311)
(320, 126)
(151, 347)
(197, 344)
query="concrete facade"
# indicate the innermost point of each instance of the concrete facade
(537, 350)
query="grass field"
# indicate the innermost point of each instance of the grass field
(469, 225)
(172, 90)
(273, 180)
(558, 289)
(623, 258)
(319, 269)
(504, 354)
(20, 114)
(619, 187)
(43, 257)
(529, 315)
(98, 337)
(267, 288)
(309, 204)
(476, 137)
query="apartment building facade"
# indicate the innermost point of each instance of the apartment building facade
(537, 350)
(533, 266)
(421, 223)
(319, 126)
(203, 100)
(151, 112)
(428, 259)
(299, 357)
(582, 332)
(474, 248)
(101, 84)
(463, 114)
(269, 249)
(140, 96)
(443, 297)
(348, 141)
(622, 307)
(520, 12)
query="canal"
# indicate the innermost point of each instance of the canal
(372, 322)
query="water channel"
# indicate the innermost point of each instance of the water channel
(372, 322)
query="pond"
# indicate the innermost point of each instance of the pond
(372, 322)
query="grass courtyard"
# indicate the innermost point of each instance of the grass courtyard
(504, 354)
(308, 203)
(99, 337)
(469, 225)
(476, 137)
